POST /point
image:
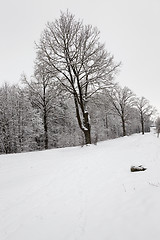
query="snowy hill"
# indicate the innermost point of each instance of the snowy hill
(83, 193)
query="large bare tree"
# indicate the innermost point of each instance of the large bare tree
(82, 64)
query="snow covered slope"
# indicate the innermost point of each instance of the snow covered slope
(83, 193)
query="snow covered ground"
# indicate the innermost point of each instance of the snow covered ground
(82, 193)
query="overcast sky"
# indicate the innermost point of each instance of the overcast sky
(129, 28)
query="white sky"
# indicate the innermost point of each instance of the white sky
(130, 29)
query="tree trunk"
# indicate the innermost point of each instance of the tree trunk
(45, 131)
(123, 127)
(158, 132)
(106, 121)
(85, 126)
(87, 131)
(142, 124)
(87, 137)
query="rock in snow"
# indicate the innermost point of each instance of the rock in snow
(137, 168)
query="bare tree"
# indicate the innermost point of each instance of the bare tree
(83, 65)
(43, 92)
(122, 100)
(145, 111)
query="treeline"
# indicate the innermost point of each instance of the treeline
(72, 98)
(112, 114)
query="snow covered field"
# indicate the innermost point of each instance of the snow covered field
(82, 193)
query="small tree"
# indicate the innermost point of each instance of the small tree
(82, 64)
(145, 110)
(43, 93)
(122, 100)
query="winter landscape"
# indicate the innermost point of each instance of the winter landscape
(82, 192)
(80, 125)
